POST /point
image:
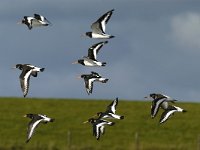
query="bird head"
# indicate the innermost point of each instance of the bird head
(91, 120)
(28, 116)
(19, 66)
(80, 61)
(89, 34)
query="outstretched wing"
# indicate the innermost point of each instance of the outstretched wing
(97, 131)
(94, 49)
(155, 106)
(39, 17)
(24, 81)
(31, 128)
(166, 114)
(94, 73)
(100, 25)
(89, 85)
(29, 21)
(112, 106)
(102, 129)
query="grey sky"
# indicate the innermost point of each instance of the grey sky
(156, 48)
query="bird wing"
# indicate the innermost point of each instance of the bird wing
(156, 105)
(39, 17)
(29, 21)
(89, 85)
(112, 106)
(94, 49)
(100, 25)
(102, 129)
(94, 73)
(31, 128)
(97, 131)
(166, 114)
(36, 21)
(24, 81)
(96, 28)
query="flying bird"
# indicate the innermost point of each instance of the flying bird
(28, 70)
(168, 113)
(36, 21)
(90, 78)
(91, 59)
(110, 111)
(99, 27)
(159, 100)
(98, 126)
(36, 119)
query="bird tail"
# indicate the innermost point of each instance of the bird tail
(103, 64)
(121, 117)
(52, 120)
(42, 69)
(184, 111)
(112, 123)
(111, 36)
(27, 140)
(105, 80)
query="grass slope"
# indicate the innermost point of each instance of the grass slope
(179, 133)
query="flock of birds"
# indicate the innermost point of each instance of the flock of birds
(162, 101)
(99, 121)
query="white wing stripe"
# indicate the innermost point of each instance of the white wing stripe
(168, 115)
(33, 128)
(26, 81)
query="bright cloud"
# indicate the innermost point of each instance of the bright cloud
(186, 29)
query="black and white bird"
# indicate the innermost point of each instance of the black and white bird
(90, 78)
(36, 21)
(169, 112)
(98, 126)
(99, 27)
(159, 100)
(91, 59)
(36, 119)
(110, 111)
(28, 70)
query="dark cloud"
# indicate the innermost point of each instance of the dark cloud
(145, 56)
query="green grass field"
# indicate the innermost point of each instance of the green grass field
(181, 132)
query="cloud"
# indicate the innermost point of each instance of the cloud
(140, 59)
(186, 29)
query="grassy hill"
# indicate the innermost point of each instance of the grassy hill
(181, 132)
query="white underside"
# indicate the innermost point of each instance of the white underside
(100, 36)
